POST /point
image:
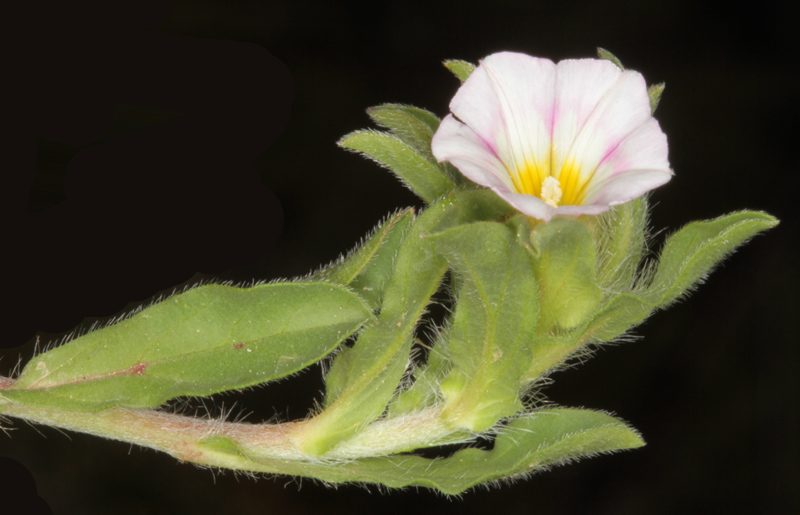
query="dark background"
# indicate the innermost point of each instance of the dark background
(151, 145)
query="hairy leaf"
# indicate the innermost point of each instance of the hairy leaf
(206, 340)
(422, 176)
(692, 252)
(539, 440)
(494, 322)
(362, 379)
(367, 269)
(413, 125)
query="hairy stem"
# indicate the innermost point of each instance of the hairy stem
(259, 447)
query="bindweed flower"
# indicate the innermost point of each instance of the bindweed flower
(571, 138)
(568, 139)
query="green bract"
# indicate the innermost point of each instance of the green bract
(523, 297)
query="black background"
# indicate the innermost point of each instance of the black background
(151, 144)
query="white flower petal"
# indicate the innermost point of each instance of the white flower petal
(580, 85)
(527, 204)
(628, 185)
(508, 102)
(644, 149)
(464, 149)
(619, 112)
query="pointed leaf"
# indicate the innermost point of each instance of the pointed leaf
(691, 253)
(422, 176)
(362, 379)
(368, 268)
(206, 340)
(620, 236)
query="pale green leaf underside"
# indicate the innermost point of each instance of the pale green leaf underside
(565, 265)
(534, 442)
(206, 340)
(363, 378)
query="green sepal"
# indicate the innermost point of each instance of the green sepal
(654, 93)
(206, 340)
(461, 69)
(469, 206)
(692, 252)
(535, 442)
(564, 263)
(368, 268)
(688, 256)
(415, 170)
(602, 53)
(620, 236)
(489, 343)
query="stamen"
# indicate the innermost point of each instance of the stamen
(551, 191)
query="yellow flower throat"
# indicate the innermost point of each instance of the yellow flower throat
(564, 188)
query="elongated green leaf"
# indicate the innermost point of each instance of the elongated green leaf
(537, 441)
(416, 127)
(564, 261)
(692, 252)
(468, 206)
(203, 341)
(367, 269)
(422, 176)
(461, 69)
(494, 322)
(362, 379)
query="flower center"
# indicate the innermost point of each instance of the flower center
(551, 191)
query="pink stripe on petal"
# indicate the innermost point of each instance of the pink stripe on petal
(464, 149)
(508, 101)
(585, 122)
(619, 112)
(580, 85)
(628, 185)
(644, 148)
